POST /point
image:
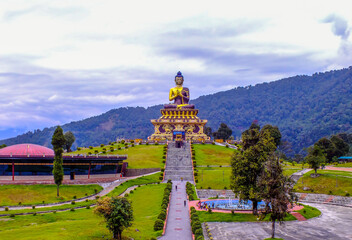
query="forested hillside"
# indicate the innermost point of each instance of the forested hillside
(305, 108)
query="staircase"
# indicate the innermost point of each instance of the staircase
(179, 163)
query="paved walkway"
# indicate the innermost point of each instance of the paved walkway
(334, 224)
(346, 169)
(178, 226)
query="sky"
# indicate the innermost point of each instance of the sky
(63, 61)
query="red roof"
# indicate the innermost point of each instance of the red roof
(26, 149)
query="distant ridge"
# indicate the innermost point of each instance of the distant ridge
(305, 108)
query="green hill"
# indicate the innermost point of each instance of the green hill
(305, 108)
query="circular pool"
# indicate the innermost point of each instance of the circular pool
(232, 204)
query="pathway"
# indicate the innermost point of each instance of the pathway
(178, 226)
(346, 169)
(334, 223)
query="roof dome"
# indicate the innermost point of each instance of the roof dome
(26, 149)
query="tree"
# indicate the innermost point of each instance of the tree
(315, 157)
(247, 164)
(208, 131)
(224, 132)
(118, 214)
(70, 139)
(276, 190)
(2, 146)
(341, 147)
(58, 141)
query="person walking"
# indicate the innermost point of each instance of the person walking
(176, 187)
(184, 203)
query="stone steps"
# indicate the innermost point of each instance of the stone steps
(178, 163)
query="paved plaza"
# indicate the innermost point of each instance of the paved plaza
(335, 223)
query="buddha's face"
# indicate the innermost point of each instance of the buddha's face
(179, 80)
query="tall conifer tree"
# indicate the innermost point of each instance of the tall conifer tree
(58, 141)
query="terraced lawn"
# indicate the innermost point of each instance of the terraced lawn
(83, 224)
(215, 178)
(139, 156)
(208, 154)
(330, 182)
(35, 194)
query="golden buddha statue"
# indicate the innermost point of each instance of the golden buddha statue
(179, 94)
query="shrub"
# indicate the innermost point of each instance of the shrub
(54, 211)
(73, 202)
(227, 146)
(225, 187)
(209, 210)
(19, 203)
(6, 209)
(347, 194)
(233, 212)
(153, 238)
(72, 209)
(33, 207)
(164, 207)
(213, 143)
(156, 143)
(209, 187)
(164, 157)
(35, 214)
(162, 170)
(89, 153)
(119, 148)
(101, 145)
(88, 207)
(90, 147)
(79, 149)
(196, 225)
(162, 215)
(195, 174)
(147, 143)
(12, 215)
(74, 197)
(163, 161)
(96, 151)
(161, 178)
(198, 233)
(158, 225)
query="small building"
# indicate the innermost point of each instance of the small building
(345, 159)
(31, 159)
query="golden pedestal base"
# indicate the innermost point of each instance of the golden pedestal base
(179, 119)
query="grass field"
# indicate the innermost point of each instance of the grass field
(80, 224)
(154, 178)
(331, 182)
(146, 203)
(349, 165)
(215, 178)
(207, 154)
(35, 194)
(236, 217)
(84, 224)
(309, 212)
(139, 156)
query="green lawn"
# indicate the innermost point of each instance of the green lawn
(290, 171)
(84, 224)
(60, 207)
(349, 165)
(35, 194)
(215, 178)
(154, 178)
(208, 154)
(236, 217)
(139, 156)
(326, 183)
(146, 203)
(80, 224)
(309, 212)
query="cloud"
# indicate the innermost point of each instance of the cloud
(339, 26)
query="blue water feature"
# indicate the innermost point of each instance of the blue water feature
(233, 204)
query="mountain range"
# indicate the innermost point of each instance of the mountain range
(305, 108)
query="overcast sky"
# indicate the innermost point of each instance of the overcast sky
(62, 61)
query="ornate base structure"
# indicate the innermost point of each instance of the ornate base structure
(179, 120)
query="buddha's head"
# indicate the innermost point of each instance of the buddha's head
(179, 78)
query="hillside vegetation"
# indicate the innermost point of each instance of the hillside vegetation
(305, 108)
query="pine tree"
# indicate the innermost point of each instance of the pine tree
(58, 141)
